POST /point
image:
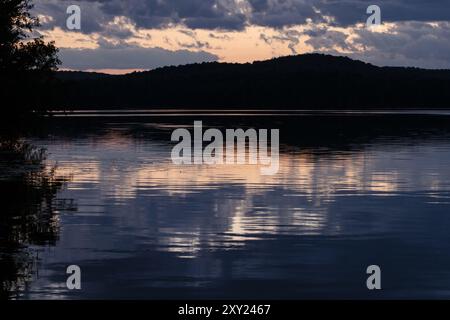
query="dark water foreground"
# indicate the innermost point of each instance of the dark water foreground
(352, 191)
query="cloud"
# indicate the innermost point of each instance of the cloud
(195, 43)
(291, 37)
(128, 57)
(93, 17)
(237, 14)
(219, 36)
(205, 14)
(282, 13)
(325, 25)
(407, 43)
(354, 11)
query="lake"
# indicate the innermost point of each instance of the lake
(352, 190)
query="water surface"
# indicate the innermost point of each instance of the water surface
(352, 191)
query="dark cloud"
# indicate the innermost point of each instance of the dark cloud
(195, 45)
(93, 17)
(322, 39)
(281, 13)
(110, 56)
(349, 12)
(412, 44)
(236, 14)
(206, 14)
(116, 30)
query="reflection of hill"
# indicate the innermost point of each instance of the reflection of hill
(28, 215)
(324, 132)
(310, 81)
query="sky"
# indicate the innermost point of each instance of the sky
(120, 36)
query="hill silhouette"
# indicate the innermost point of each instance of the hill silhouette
(309, 81)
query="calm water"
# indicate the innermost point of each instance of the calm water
(351, 191)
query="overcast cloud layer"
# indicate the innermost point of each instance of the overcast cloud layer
(413, 41)
(236, 14)
(129, 58)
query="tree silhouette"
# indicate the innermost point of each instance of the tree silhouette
(28, 191)
(308, 81)
(26, 61)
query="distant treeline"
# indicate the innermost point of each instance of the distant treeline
(310, 81)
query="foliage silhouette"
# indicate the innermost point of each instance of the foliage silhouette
(28, 190)
(310, 81)
(27, 63)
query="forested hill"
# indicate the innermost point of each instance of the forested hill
(310, 81)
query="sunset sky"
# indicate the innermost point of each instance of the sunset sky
(119, 36)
